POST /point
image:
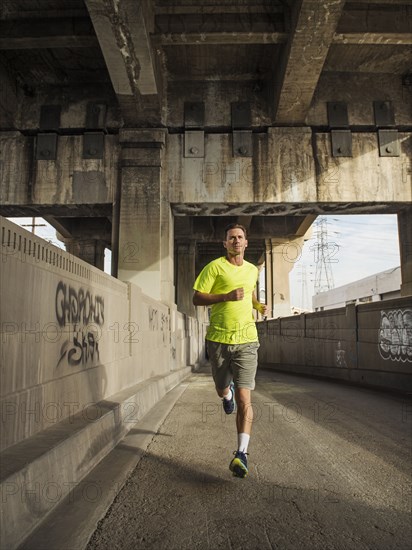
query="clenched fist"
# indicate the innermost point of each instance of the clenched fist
(235, 295)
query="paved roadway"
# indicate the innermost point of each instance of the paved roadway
(330, 468)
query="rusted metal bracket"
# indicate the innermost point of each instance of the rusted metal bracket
(341, 141)
(93, 145)
(50, 118)
(338, 114)
(194, 119)
(49, 124)
(93, 138)
(388, 143)
(96, 116)
(387, 136)
(242, 145)
(46, 146)
(194, 114)
(384, 113)
(195, 144)
(341, 136)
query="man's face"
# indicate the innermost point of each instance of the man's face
(235, 242)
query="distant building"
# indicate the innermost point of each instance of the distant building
(381, 286)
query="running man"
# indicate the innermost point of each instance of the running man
(228, 285)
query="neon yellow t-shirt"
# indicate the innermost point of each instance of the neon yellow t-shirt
(230, 322)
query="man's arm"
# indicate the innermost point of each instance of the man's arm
(204, 299)
(262, 308)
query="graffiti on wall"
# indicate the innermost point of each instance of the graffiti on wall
(395, 335)
(340, 356)
(82, 315)
(153, 319)
(159, 321)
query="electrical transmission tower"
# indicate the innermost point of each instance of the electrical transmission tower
(303, 279)
(324, 253)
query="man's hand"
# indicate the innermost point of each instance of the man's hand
(263, 309)
(235, 295)
(205, 299)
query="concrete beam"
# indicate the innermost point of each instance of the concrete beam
(305, 225)
(8, 99)
(97, 228)
(112, 44)
(50, 33)
(12, 10)
(188, 38)
(59, 226)
(313, 28)
(201, 8)
(286, 209)
(139, 20)
(376, 38)
(245, 221)
(385, 19)
(389, 24)
(123, 33)
(198, 24)
(386, 2)
(47, 42)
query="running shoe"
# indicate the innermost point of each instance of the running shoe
(239, 464)
(229, 404)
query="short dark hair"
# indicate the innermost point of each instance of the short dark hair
(235, 226)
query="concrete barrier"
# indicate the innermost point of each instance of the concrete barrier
(83, 357)
(368, 344)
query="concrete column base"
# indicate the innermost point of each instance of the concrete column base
(89, 250)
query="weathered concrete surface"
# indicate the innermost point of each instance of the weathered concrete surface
(367, 344)
(69, 180)
(283, 170)
(146, 230)
(39, 472)
(76, 345)
(72, 522)
(329, 468)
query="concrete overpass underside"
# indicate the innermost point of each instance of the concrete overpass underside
(117, 117)
(146, 126)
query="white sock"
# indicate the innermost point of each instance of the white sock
(228, 396)
(243, 442)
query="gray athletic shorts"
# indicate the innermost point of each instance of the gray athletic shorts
(236, 362)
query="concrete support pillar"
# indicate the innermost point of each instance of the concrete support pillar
(405, 248)
(167, 289)
(89, 250)
(146, 223)
(185, 277)
(280, 258)
(269, 277)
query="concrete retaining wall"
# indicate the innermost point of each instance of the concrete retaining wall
(83, 357)
(368, 344)
(72, 335)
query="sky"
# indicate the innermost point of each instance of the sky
(358, 246)
(47, 232)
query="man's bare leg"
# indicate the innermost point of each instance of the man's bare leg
(244, 417)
